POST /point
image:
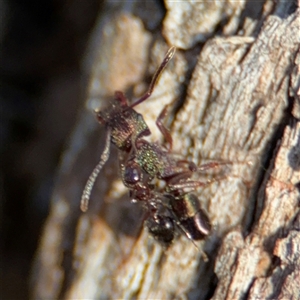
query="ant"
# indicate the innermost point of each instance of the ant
(141, 162)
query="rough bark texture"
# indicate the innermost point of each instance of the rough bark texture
(234, 99)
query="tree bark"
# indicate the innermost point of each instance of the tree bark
(234, 99)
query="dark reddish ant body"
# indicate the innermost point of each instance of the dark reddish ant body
(141, 162)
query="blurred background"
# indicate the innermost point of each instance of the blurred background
(42, 88)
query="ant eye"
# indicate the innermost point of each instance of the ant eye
(132, 174)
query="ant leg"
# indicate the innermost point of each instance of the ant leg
(191, 165)
(216, 164)
(212, 165)
(188, 184)
(158, 72)
(91, 181)
(180, 176)
(175, 174)
(181, 181)
(165, 131)
(194, 184)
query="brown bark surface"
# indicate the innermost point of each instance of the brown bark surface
(234, 99)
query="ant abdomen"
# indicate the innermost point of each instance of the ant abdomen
(192, 218)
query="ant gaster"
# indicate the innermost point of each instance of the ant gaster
(141, 162)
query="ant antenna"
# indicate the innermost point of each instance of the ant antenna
(158, 72)
(91, 181)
